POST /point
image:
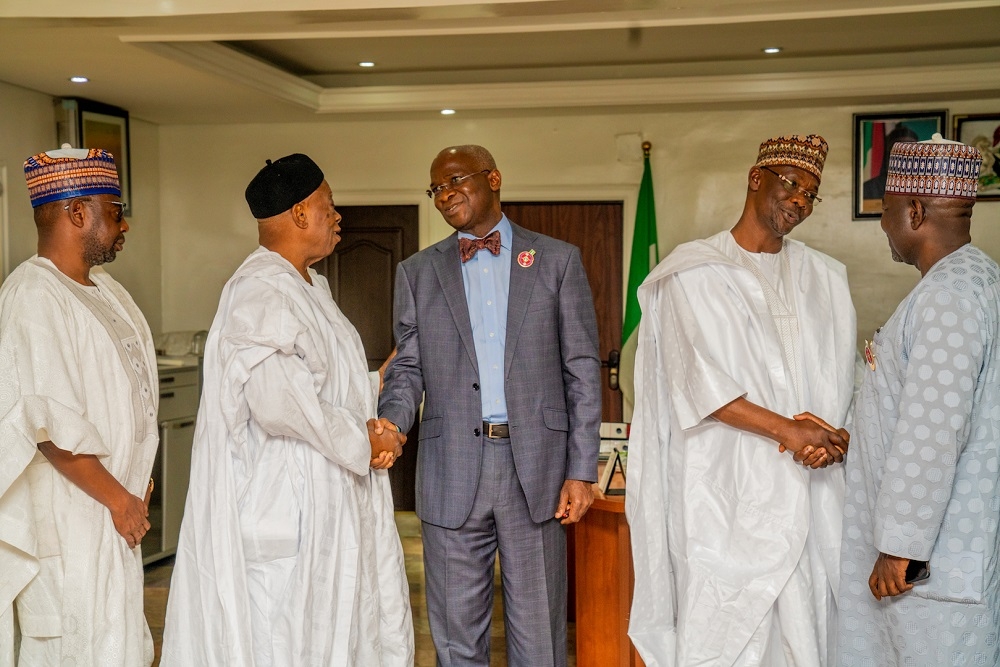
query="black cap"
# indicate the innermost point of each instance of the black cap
(282, 184)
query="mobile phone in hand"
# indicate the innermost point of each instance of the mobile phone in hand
(917, 571)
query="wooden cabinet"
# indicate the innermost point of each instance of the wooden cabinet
(604, 582)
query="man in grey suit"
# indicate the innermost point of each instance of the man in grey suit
(496, 333)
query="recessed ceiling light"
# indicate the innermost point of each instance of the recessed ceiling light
(447, 112)
(79, 79)
(772, 49)
(366, 63)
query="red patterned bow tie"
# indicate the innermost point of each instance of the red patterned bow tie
(467, 248)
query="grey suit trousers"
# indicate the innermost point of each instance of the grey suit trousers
(459, 565)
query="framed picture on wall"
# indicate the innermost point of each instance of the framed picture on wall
(90, 124)
(983, 132)
(874, 135)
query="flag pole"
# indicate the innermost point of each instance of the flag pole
(645, 255)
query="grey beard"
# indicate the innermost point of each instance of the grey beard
(94, 254)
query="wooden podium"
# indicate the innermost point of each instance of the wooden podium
(604, 581)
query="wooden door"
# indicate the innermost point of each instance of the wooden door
(361, 272)
(596, 229)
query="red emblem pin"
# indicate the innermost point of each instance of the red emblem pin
(869, 355)
(526, 258)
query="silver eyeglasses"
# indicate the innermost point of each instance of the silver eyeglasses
(453, 183)
(120, 204)
(791, 187)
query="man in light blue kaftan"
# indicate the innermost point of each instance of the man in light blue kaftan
(922, 471)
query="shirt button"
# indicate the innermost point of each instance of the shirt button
(486, 270)
(489, 303)
(492, 334)
(475, 386)
(476, 432)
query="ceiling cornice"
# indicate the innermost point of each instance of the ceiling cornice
(235, 66)
(533, 23)
(884, 83)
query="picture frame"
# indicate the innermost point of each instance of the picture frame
(874, 135)
(983, 132)
(615, 464)
(88, 124)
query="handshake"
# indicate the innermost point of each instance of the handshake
(386, 441)
(812, 442)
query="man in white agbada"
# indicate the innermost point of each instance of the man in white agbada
(78, 430)
(288, 551)
(921, 582)
(746, 346)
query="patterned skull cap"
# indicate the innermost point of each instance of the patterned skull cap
(934, 168)
(70, 172)
(806, 152)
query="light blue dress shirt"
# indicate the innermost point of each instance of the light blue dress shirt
(487, 286)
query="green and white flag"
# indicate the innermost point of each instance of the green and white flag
(645, 255)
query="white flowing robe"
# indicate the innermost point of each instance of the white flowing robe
(288, 552)
(718, 517)
(923, 475)
(77, 367)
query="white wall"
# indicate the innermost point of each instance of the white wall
(138, 267)
(699, 160)
(27, 127)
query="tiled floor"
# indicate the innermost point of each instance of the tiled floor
(158, 582)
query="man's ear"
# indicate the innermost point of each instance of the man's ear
(77, 210)
(753, 179)
(916, 213)
(299, 216)
(494, 179)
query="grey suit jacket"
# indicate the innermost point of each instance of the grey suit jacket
(551, 382)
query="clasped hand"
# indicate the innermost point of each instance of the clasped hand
(813, 442)
(129, 516)
(386, 441)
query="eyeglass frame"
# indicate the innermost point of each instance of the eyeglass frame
(452, 183)
(122, 206)
(791, 187)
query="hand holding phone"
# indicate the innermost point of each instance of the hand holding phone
(917, 571)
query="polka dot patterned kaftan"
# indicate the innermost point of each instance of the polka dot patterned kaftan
(922, 475)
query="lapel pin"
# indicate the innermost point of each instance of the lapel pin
(869, 355)
(526, 258)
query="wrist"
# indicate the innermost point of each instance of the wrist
(781, 430)
(116, 500)
(885, 556)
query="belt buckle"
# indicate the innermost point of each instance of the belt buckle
(497, 430)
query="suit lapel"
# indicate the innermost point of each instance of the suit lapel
(448, 268)
(522, 280)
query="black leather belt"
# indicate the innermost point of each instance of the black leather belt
(496, 430)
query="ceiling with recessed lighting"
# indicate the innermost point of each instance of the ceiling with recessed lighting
(218, 60)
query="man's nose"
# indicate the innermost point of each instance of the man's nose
(801, 200)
